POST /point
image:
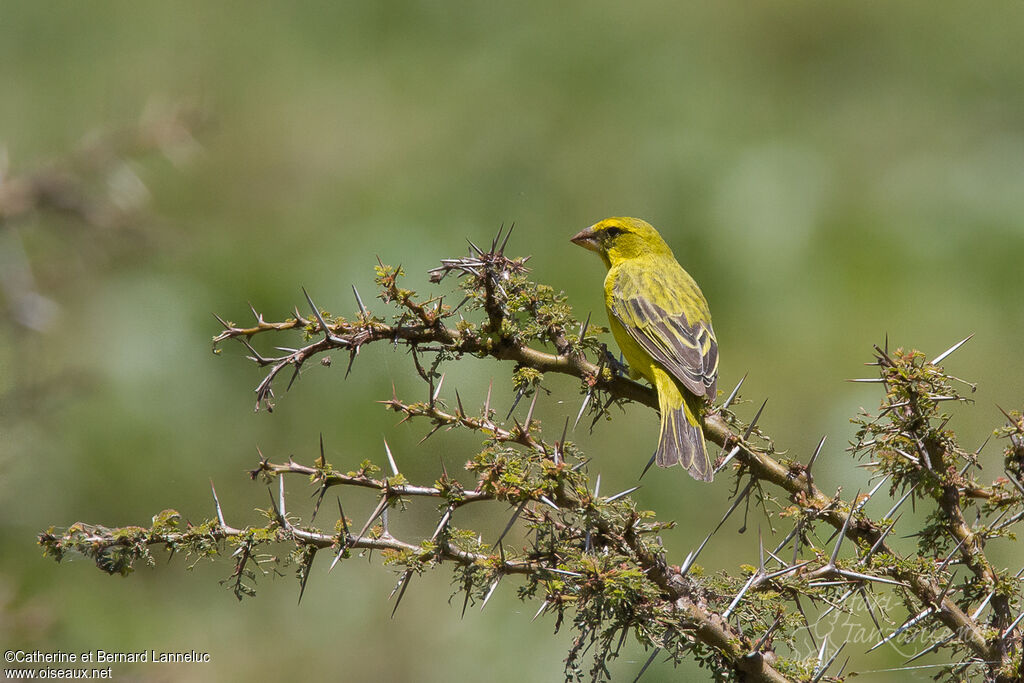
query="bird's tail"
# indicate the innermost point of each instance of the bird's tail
(682, 438)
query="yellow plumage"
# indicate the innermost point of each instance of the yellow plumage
(661, 322)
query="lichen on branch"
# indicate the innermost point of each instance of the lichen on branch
(594, 561)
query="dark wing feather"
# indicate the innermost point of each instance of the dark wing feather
(687, 350)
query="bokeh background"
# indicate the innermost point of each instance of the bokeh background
(831, 173)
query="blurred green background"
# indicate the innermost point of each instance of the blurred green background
(831, 173)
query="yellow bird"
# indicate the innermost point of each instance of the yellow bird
(660, 319)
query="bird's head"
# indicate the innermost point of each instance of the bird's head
(619, 239)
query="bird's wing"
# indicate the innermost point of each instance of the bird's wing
(665, 312)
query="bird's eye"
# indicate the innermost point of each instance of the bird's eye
(613, 232)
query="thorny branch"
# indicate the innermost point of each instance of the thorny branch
(599, 559)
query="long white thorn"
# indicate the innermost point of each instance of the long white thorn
(490, 592)
(391, 458)
(942, 356)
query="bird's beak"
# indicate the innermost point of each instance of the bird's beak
(586, 239)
